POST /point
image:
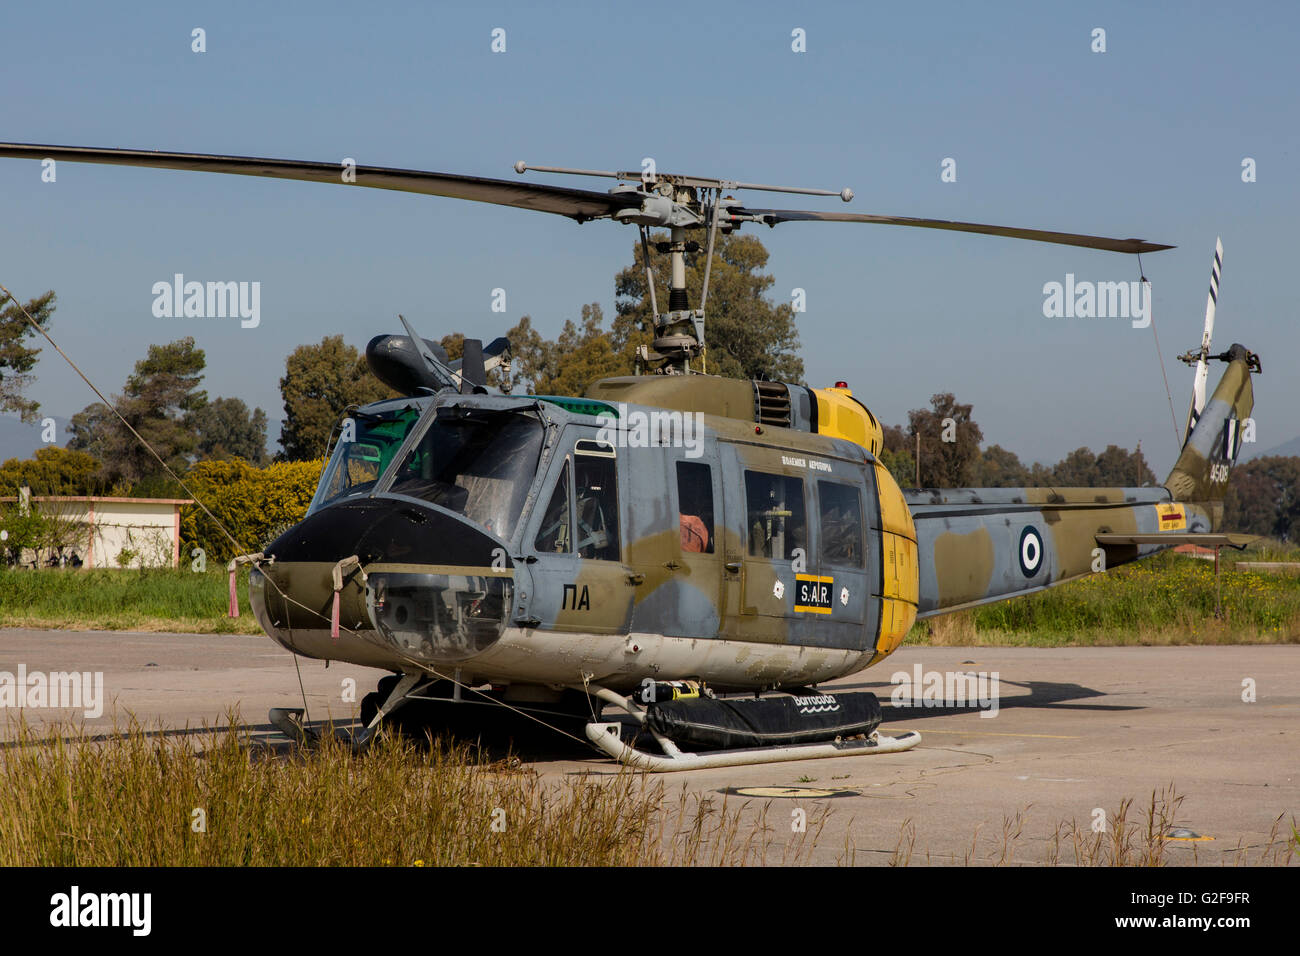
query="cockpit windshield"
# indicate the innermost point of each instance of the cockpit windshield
(479, 463)
(366, 446)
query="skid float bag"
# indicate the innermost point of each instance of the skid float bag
(744, 722)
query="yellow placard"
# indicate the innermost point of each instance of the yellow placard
(1171, 517)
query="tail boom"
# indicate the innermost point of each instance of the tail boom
(979, 545)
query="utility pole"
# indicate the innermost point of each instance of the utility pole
(918, 459)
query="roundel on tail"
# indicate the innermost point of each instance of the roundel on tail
(1031, 551)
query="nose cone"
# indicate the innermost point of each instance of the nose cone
(389, 530)
(436, 586)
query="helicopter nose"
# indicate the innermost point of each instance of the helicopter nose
(431, 585)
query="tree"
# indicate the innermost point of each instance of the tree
(16, 359)
(1264, 498)
(52, 471)
(532, 357)
(159, 398)
(254, 504)
(1120, 468)
(1078, 469)
(999, 468)
(1115, 467)
(950, 442)
(41, 536)
(896, 455)
(747, 336)
(320, 381)
(951, 458)
(570, 364)
(225, 428)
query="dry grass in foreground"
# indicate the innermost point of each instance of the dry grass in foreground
(1108, 840)
(148, 799)
(139, 799)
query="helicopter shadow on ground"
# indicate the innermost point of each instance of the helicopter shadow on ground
(48, 735)
(504, 738)
(507, 738)
(1042, 694)
(496, 740)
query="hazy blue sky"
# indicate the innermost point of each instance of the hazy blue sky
(1146, 139)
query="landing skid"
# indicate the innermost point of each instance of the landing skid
(608, 737)
(288, 720)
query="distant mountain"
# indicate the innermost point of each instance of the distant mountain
(1286, 449)
(20, 441)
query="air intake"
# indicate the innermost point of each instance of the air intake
(772, 403)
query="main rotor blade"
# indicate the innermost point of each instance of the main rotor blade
(579, 204)
(774, 216)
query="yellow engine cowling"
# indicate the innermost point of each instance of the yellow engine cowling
(840, 415)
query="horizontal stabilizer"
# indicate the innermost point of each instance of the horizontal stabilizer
(1205, 540)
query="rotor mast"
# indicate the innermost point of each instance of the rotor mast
(681, 203)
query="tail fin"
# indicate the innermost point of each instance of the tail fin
(1201, 472)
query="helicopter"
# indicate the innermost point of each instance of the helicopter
(698, 553)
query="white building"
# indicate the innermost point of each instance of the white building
(105, 532)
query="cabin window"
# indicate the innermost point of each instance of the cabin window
(595, 484)
(841, 524)
(695, 506)
(775, 515)
(555, 536)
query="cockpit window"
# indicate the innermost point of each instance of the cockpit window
(555, 534)
(367, 443)
(596, 492)
(476, 463)
(593, 510)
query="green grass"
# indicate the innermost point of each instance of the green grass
(110, 599)
(1167, 599)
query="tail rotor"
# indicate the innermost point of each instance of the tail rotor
(1200, 358)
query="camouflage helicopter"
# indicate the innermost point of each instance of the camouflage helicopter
(674, 545)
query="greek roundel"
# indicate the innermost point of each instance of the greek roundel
(1031, 551)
